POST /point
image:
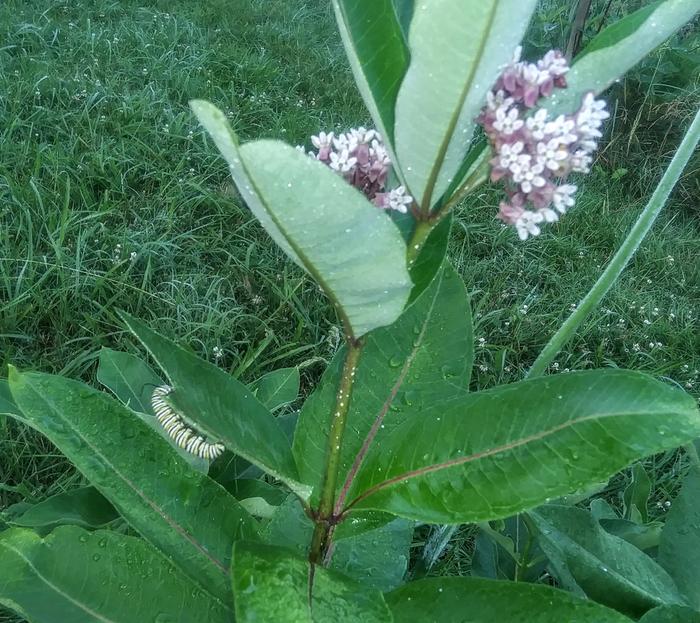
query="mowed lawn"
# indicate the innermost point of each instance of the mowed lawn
(112, 198)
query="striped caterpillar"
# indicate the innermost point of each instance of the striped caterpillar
(184, 436)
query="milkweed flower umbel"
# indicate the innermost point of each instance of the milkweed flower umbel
(533, 151)
(360, 156)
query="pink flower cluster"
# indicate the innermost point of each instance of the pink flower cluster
(534, 153)
(362, 159)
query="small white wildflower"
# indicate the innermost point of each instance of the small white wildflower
(399, 200)
(563, 198)
(510, 154)
(562, 129)
(322, 140)
(526, 225)
(218, 352)
(537, 124)
(342, 161)
(527, 174)
(507, 121)
(551, 154)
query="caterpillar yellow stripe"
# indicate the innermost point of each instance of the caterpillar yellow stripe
(182, 434)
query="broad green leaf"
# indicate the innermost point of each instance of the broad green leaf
(619, 47)
(351, 248)
(679, 549)
(376, 558)
(376, 48)
(642, 536)
(636, 494)
(132, 381)
(186, 515)
(278, 388)
(85, 507)
(498, 452)
(473, 600)
(218, 405)
(129, 378)
(423, 358)
(270, 584)
(431, 257)
(74, 576)
(606, 568)
(671, 614)
(458, 49)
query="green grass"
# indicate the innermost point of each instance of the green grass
(111, 197)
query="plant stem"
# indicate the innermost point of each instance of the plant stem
(477, 175)
(420, 235)
(624, 253)
(324, 516)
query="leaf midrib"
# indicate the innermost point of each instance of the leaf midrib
(417, 473)
(444, 146)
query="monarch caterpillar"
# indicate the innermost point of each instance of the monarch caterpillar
(184, 436)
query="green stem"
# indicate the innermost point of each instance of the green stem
(477, 175)
(624, 253)
(420, 235)
(324, 516)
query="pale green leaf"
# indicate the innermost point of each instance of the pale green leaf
(270, 584)
(473, 600)
(74, 576)
(458, 50)
(606, 568)
(619, 47)
(351, 248)
(186, 515)
(679, 549)
(495, 453)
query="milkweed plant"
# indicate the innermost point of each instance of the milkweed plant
(210, 502)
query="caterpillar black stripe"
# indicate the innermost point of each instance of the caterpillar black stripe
(182, 434)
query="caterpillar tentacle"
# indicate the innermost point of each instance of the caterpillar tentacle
(183, 435)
